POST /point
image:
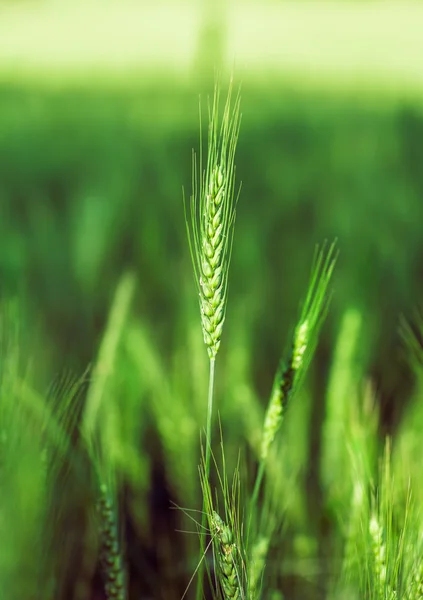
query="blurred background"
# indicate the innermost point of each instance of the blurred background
(98, 117)
(99, 113)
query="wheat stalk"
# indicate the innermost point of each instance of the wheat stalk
(210, 230)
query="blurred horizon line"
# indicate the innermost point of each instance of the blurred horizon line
(374, 43)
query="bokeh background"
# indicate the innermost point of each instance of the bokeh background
(98, 117)
(99, 113)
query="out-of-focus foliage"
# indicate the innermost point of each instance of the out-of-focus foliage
(90, 182)
(90, 186)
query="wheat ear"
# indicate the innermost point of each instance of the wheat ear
(290, 373)
(210, 225)
(111, 556)
(227, 551)
(304, 342)
(100, 429)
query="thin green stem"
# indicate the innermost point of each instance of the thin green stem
(199, 593)
(257, 485)
(209, 417)
(254, 498)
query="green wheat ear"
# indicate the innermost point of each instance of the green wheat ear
(226, 534)
(227, 552)
(101, 433)
(292, 371)
(211, 217)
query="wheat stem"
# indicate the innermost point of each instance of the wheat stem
(207, 473)
(209, 415)
(257, 484)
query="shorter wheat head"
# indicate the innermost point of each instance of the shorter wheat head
(227, 558)
(291, 371)
(111, 556)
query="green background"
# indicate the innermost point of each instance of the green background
(91, 184)
(92, 168)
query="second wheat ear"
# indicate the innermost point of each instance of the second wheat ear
(227, 551)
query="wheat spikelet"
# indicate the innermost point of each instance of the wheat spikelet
(227, 552)
(111, 557)
(212, 217)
